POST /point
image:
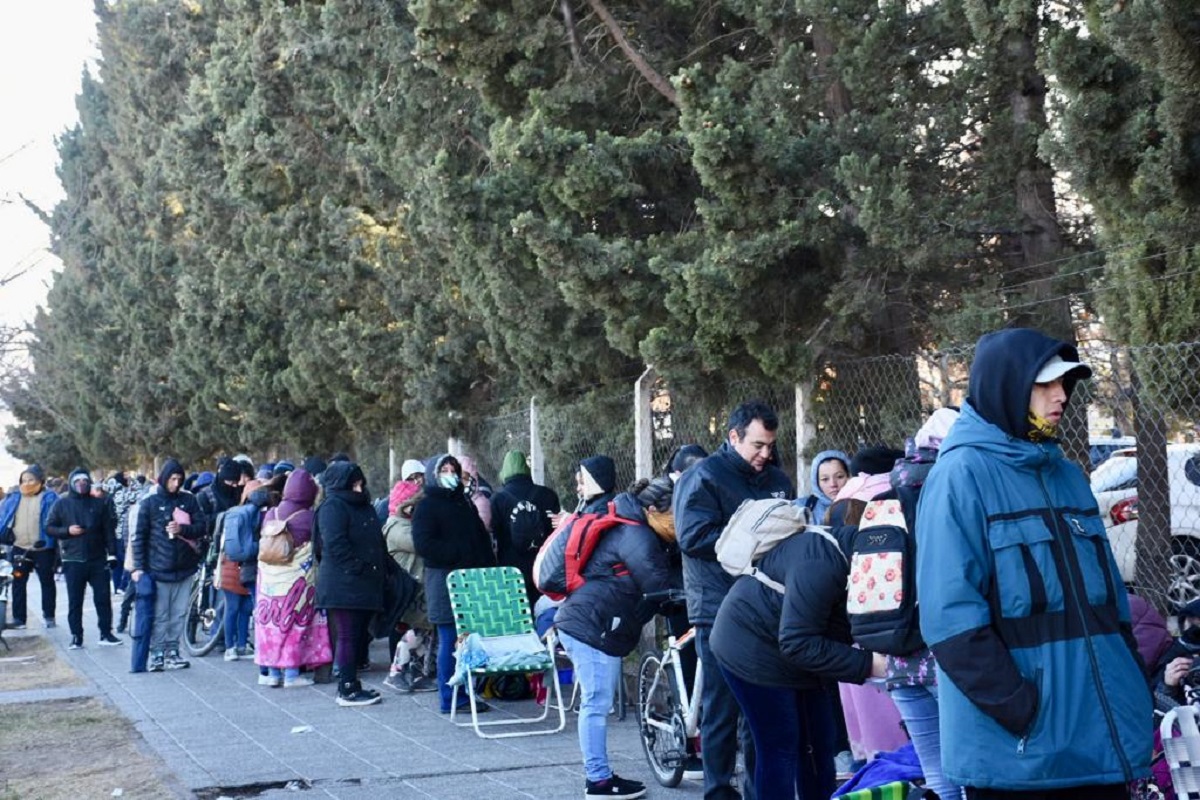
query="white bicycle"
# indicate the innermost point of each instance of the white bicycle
(668, 709)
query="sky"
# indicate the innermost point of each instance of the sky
(44, 45)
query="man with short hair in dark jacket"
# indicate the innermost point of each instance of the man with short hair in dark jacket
(170, 526)
(86, 528)
(521, 518)
(705, 499)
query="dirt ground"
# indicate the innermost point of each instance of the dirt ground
(70, 748)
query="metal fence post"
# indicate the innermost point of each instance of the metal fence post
(643, 433)
(805, 431)
(537, 462)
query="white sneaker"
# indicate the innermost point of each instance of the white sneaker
(299, 680)
(231, 654)
(267, 680)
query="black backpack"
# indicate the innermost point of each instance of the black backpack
(881, 599)
(528, 526)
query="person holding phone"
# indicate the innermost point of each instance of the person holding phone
(167, 547)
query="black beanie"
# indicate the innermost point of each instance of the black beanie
(230, 471)
(874, 460)
(685, 456)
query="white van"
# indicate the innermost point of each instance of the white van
(1115, 484)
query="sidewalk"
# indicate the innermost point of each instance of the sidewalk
(222, 734)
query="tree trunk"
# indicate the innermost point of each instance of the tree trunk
(1154, 496)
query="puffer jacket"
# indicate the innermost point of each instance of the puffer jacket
(353, 558)
(799, 639)
(448, 535)
(8, 514)
(1040, 687)
(95, 515)
(154, 552)
(609, 610)
(704, 500)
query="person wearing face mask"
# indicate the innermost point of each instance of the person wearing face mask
(1181, 656)
(1041, 690)
(448, 535)
(86, 526)
(23, 517)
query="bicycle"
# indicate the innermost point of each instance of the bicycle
(668, 710)
(205, 621)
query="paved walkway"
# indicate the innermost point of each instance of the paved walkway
(219, 732)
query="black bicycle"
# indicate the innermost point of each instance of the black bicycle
(206, 612)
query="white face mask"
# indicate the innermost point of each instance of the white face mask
(448, 480)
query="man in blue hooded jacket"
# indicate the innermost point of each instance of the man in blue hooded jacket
(1020, 598)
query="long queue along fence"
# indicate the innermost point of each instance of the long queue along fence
(1137, 439)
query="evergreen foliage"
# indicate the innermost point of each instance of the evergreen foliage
(298, 225)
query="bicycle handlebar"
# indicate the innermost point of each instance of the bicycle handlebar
(666, 596)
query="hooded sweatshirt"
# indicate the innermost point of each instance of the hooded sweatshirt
(95, 515)
(165, 557)
(818, 502)
(1020, 597)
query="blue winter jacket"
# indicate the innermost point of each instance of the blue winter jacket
(8, 514)
(1039, 683)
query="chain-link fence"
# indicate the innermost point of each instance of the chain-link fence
(1132, 427)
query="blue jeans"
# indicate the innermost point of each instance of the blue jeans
(597, 674)
(794, 735)
(288, 674)
(445, 664)
(918, 707)
(719, 730)
(238, 608)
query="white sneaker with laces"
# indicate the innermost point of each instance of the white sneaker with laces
(231, 654)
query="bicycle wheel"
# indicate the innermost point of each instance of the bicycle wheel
(660, 718)
(205, 621)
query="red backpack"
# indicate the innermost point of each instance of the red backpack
(558, 568)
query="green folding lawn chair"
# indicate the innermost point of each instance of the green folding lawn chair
(492, 603)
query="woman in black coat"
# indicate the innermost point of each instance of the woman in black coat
(776, 650)
(351, 575)
(448, 534)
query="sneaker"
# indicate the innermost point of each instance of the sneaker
(615, 786)
(76, 643)
(268, 680)
(298, 681)
(49, 624)
(422, 684)
(352, 694)
(246, 651)
(398, 681)
(108, 640)
(156, 663)
(465, 708)
(843, 765)
(231, 654)
(174, 661)
(693, 768)
(17, 626)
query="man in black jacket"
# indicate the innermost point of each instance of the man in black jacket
(521, 518)
(86, 527)
(170, 526)
(705, 499)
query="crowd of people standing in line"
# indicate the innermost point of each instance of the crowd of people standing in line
(1030, 683)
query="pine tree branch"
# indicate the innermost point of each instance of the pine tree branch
(572, 33)
(660, 84)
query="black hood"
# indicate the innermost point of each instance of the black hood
(342, 475)
(1006, 362)
(170, 467)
